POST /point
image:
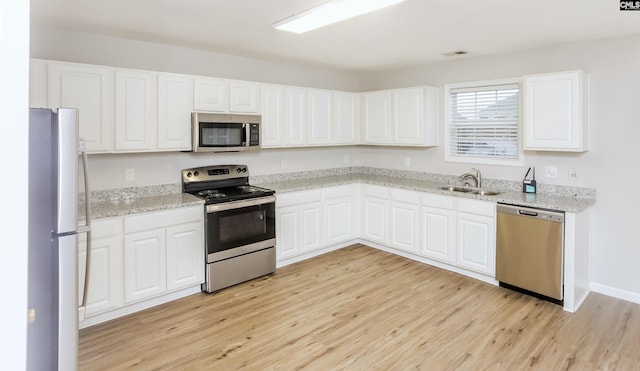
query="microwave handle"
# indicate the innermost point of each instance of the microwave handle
(246, 128)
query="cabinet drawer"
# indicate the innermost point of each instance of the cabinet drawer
(402, 195)
(439, 201)
(375, 191)
(338, 191)
(477, 207)
(162, 219)
(297, 198)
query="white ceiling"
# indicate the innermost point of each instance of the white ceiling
(415, 32)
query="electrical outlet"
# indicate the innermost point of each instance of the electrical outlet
(551, 172)
(284, 164)
(346, 159)
(129, 175)
(407, 161)
(573, 174)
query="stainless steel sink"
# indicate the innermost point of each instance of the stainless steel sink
(456, 189)
(480, 192)
(485, 192)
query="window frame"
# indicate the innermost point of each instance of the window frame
(448, 157)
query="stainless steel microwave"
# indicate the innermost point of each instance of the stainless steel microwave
(225, 132)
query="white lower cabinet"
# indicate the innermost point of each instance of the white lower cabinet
(476, 236)
(163, 251)
(405, 220)
(141, 260)
(375, 213)
(311, 221)
(340, 214)
(105, 275)
(144, 265)
(437, 227)
(298, 223)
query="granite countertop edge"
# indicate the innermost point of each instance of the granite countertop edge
(541, 201)
(136, 205)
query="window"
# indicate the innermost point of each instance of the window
(483, 123)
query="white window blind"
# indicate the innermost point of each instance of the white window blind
(484, 122)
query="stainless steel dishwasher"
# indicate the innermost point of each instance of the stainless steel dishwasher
(530, 250)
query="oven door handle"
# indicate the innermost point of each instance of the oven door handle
(241, 204)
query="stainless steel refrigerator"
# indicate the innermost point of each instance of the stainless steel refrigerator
(52, 335)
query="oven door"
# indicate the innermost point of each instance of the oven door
(240, 227)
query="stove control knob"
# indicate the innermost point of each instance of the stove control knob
(189, 175)
(238, 170)
(244, 169)
(196, 173)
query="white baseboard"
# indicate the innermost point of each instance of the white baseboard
(633, 297)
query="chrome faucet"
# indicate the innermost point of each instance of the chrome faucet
(477, 178)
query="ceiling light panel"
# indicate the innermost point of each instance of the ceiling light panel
(331, 12)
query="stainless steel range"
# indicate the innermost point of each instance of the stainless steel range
(240, 224)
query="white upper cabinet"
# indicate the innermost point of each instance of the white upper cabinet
(272, 108)
(377, 118)
(320, 117)
(135, 110)
(346, 115)
(556, 112)
(404, 117)
(295, 116)
(175, 102)
(90, 89)
(222, 95)
(211, 94)
(244, 97)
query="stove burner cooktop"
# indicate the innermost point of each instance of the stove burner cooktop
(221, 183)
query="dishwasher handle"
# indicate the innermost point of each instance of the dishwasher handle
(528, 212)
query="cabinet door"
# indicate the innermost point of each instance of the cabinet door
(295, 116)
(135, 110)
(346, 118)
(311, 226)
(377, 118)
(211, 94)
(144, 264)
(175, 102)
(374, 222)
(287, 231)
(89, 89)
(320, 116)
(404, 226)
(476, 243)
(408, 116)
(244, 97)
(553, 106)
(272, 108)
(339, 219)
(438, 234)
(185, 255)
(105, 275)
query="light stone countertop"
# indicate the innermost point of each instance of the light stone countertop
(135, 200)
(509, 196)
(142, 204)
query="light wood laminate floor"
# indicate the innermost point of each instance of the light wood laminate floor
(359, 308)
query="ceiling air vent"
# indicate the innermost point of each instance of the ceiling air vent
(455, 53)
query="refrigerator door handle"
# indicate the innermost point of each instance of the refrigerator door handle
(87, 227)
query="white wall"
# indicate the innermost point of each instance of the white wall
(611, 166)
(14, 95)
(108, 171)
(78, 47)
(615, 122)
